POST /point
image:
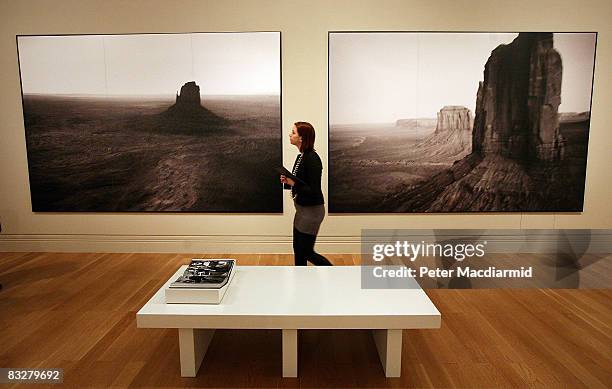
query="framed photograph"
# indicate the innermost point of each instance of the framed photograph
(459, 121)
(153, 122)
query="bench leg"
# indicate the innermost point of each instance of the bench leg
(193, 343)
(290, 354)
(389, 345)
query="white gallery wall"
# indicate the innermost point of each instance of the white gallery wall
(304, 26)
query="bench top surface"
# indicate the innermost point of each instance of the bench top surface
(273, 292)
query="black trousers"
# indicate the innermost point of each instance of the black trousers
(303, 249)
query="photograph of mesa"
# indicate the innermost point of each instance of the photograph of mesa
(459, 122)
(153, 122)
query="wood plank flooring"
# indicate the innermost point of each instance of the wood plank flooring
(77, 312)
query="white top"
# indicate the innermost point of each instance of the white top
(293, 297)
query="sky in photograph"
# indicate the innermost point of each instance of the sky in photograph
(151, 64)
(383, 77)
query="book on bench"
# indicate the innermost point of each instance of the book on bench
(205, 281)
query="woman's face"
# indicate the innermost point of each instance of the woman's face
(295, 138)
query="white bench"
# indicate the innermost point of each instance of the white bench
(291, 298)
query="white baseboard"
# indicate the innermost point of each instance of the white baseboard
(169, 244)
(498, 241)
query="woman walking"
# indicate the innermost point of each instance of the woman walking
(307, 196)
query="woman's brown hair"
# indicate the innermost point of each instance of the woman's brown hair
(307, 132)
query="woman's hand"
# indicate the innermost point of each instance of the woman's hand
(287, 180)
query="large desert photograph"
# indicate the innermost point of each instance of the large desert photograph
(459, 122)
(153, 123)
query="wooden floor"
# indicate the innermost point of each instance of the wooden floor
(78, 311)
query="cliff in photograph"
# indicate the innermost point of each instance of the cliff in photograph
(187, 115)
(452, 138)
(517, 150)
(517, 103)
(454, 118)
